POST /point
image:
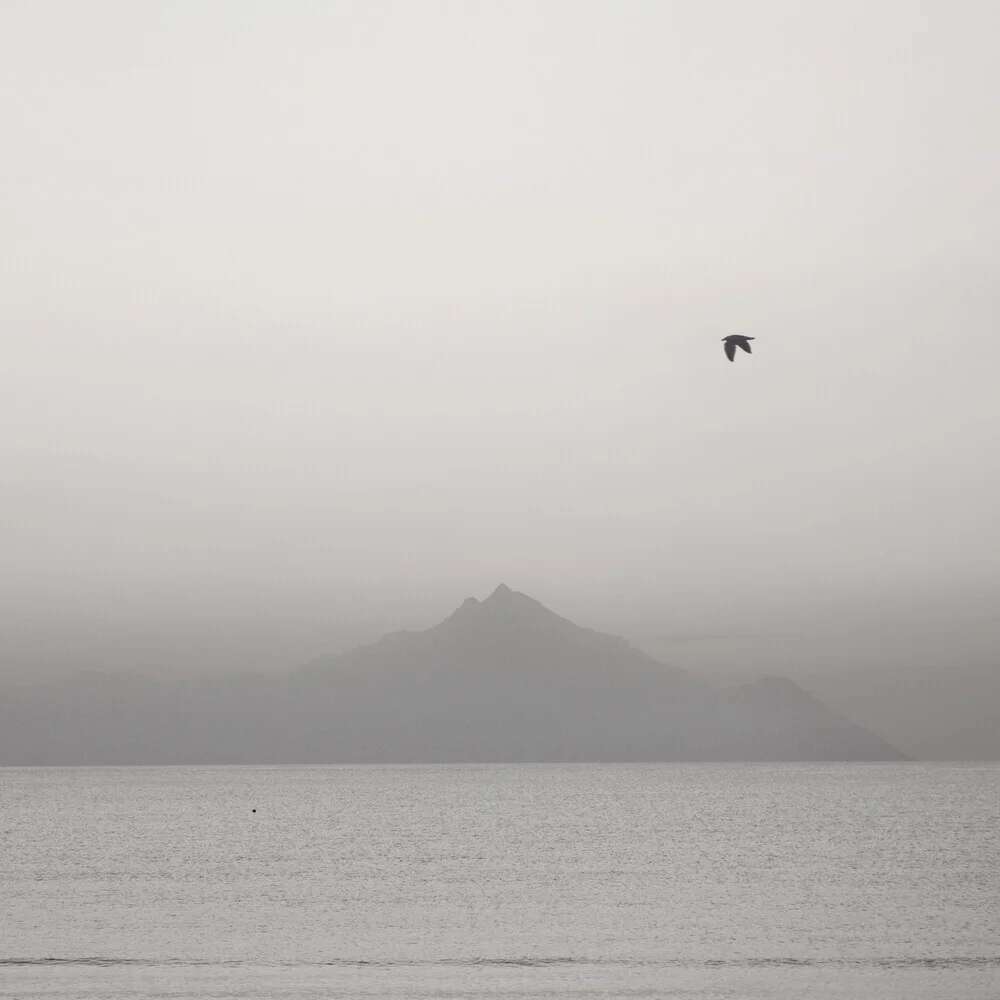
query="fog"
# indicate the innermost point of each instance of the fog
(317, 319)
(931, 688)
(501, 680)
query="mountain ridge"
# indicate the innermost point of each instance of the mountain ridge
(504, 679)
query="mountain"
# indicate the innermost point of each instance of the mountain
(931, 688)
(500, 680)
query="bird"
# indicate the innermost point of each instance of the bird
(735, 340)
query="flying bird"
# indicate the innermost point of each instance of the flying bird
(735, 340)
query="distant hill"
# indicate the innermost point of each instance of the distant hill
(931, 688)
(499, 680)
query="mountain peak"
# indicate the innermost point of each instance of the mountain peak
(504, 601)
(504, 597)
(503, 608)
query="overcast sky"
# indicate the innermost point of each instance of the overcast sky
(318, 317)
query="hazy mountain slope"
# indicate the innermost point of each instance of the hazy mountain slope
(932, 689)
(501, 680)
(942, 712)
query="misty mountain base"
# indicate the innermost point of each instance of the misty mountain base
(500, 680)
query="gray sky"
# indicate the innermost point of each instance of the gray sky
(317, 318)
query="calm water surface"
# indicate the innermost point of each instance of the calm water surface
(696, 881)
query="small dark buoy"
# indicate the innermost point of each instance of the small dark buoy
(253, 810)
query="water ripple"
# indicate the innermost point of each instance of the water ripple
(938, 962)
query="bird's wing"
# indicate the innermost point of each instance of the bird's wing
(745, 344)
(730, 350)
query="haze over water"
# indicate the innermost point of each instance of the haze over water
(547, 881)
(317, 318)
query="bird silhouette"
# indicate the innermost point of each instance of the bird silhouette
(735, 340)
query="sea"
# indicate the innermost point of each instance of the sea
(711, 881)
